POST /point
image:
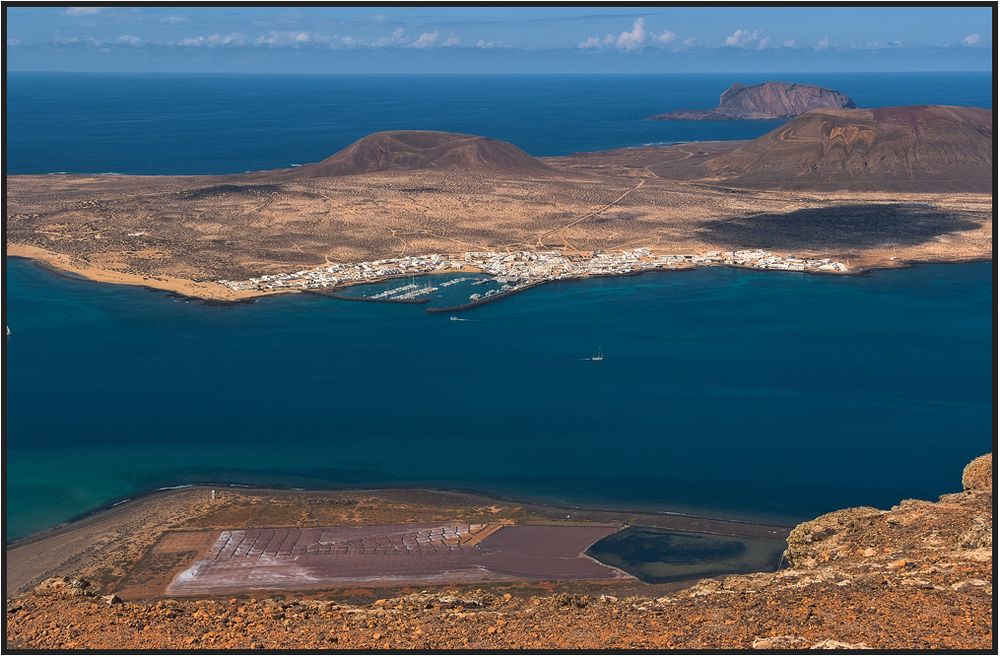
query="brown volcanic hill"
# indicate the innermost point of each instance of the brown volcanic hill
(918, 148)
(770, 100)
(407, 150)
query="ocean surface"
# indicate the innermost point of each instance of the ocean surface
(159, 124)
(768, 395)
(727, 392)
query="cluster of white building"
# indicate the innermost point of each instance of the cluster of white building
(518, 268)
(336, 274)
(759, 259)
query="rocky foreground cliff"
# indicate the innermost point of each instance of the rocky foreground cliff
(917, 576)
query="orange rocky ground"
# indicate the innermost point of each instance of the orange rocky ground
(917, 576)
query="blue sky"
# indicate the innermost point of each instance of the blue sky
(503, 40)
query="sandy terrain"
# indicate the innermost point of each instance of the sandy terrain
(188, 288)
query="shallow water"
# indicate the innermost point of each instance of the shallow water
(658, 555)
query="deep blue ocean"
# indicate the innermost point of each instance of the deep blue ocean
(159, 124)
(768, 395)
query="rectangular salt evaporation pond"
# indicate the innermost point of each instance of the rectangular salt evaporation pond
(435, 290)
(657, 555)
(281, 559)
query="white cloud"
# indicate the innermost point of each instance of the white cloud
(971, 40)
(763, 43)
(790, 43)
(349, 42)
(689, 42)
(60, 40)
(666, 36)
(742, 38)
(823, 44)
(452, 40)
(485, 45)
(397, 38)
(634, 38)
(293, 39)
(13, 42)
(213, 40)
(879, 45)
(83, 11)
(174, 20)
(426, 40)
(630, 40)
(130, 40)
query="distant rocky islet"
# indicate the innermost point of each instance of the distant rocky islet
(769, 100)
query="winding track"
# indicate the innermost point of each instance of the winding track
(561, 230)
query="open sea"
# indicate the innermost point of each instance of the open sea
(763, 395)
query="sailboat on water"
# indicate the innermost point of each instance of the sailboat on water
(599, 356)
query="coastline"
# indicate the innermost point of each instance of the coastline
(137, 522)
(216, 293)
(211, 292)
(124, 505)
(922, 570)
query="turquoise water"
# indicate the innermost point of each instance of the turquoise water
(754, 394)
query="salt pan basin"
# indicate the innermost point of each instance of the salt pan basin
(315, 558)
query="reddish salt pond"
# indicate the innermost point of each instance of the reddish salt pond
(289, 558)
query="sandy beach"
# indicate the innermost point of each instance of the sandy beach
(62, 262)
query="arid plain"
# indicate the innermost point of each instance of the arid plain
(863, 189)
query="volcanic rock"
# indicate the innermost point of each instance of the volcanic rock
(918, 148)
(409, 150)
(770, 100)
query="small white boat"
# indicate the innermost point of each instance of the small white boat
(599, 356)
(8, 330)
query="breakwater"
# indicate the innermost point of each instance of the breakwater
(348, 297)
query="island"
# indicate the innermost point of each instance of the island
(832, 191)
(769, 100)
